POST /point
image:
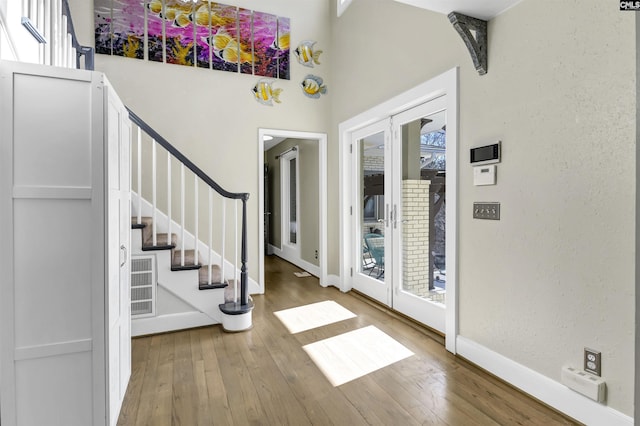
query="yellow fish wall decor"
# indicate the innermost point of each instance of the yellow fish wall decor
(313, 86)
(264, 92)
(306, 54)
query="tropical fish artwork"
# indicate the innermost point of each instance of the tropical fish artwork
(264, 92)
(202, 33)
(306, 54)
(313, 86)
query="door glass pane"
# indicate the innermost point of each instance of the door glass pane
(293, 221)
(371, 205)
(423, 207)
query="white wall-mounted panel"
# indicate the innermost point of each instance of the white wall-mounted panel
(59, 134)
(52, 273)
(39, 402)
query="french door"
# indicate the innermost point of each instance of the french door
(399, 215)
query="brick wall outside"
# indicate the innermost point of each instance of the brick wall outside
(415, 236)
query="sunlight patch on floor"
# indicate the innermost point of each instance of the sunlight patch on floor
(311, 316)
(354, 354)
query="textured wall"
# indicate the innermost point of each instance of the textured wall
(556, 273)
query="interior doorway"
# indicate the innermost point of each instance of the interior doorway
(291, 227)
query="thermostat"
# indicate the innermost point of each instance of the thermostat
(487, 154)
(484, 175)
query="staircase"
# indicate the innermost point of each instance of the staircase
(206, 273)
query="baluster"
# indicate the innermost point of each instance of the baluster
(139, 160)
(235, 262)
(154, 188)
(63, 44)
(71, 57)
(169, 194)
(197, 207)
(39, 23)
(210, 233)
(47, 32)
(224, 237)
(182, 213)
(244, 275)
(57, 45)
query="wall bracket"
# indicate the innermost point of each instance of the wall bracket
(474, 34)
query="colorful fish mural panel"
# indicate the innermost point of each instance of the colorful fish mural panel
(306, 53)
(264, 92)
(224, 37)
(102, 14)
(127, 27)
(265, 34)
(281, 44)
(245, 50)
(313, 86)
(155, 30)
(178, 30)
(201, 18)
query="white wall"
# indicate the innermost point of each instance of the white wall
(556, 273)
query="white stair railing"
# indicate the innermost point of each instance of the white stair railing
(241, 302)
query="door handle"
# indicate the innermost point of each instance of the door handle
(124, 259)
(386, 215)
(395, 216)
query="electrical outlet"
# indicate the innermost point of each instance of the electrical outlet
(592, 361)
(316, 254)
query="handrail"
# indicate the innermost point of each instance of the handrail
(184, 160)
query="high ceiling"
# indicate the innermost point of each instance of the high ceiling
(482, 9)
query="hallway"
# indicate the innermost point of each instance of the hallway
(206, 376)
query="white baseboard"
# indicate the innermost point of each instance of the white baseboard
(549, 391)
(171, 322)
(300, 263)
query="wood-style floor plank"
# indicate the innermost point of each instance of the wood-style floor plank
(205, 377)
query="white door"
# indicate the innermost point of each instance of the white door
(118, 225)
(290, 196)
(419, 223)
(371, 214)
(399, 214)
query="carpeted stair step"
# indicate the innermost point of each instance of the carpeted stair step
(189, 261)
(216, 278)
(162, 242)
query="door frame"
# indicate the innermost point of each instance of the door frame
(322, 194)
(445, 84)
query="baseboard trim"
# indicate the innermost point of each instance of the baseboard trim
(333, 280)
(541, 387)
(171, 322)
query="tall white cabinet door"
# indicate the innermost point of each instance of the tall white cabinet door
(118, 224)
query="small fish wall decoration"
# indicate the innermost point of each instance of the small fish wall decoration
(313, 86)
(264, 92)
(306, 54)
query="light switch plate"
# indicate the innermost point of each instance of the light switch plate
(489, 211)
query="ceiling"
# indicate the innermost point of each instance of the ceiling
(481, 9)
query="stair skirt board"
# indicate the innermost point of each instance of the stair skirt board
(170, 322)
(203, 249)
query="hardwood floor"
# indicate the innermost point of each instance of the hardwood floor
(263, 376)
